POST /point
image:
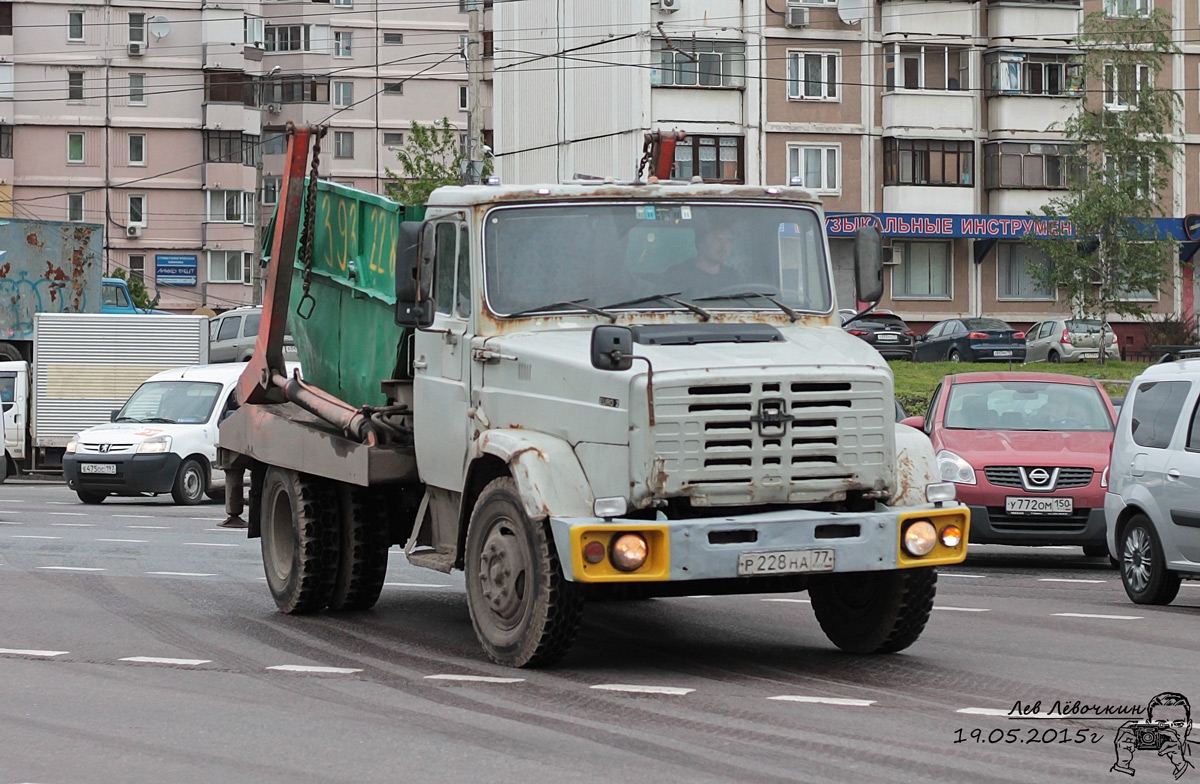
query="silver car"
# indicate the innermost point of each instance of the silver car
(232, 336)
(1152, 507)
(1069, 340)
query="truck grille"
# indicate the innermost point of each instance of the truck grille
(774, 440)
(1010, 476)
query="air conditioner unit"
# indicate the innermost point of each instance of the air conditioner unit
(133, 230)
(273, 108)
(796, 17)
(669, 6)
(136, 49)
(892, 256)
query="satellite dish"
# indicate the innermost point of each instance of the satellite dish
(851, 11)
(159, 26)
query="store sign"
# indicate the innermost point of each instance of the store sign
(992, 227)
(175, 269)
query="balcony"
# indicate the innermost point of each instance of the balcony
(929, 199)
(929, 110)
(929, 18)
(1012, 19)
(1022, 115)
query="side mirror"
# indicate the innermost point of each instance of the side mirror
(919, 338)
(914, 421)
(868, 263)
(414, 274)
(612, 347)
(112, 415)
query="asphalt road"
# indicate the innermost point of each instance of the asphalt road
(138, 643)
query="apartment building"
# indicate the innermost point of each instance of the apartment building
(163, 122)
(935, 116)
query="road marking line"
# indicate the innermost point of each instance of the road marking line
(32, 536)
(208, 519)
(307, 668)
(983, 711)
(698, 596)
(74, 568)
(415, 585)
(63, 503)
(473, 678)
(12, 501)
(1067, 580)
(68, 514)
(129, 541)
(158, 660)
(824, 700)
(960, 574)
(183, 574)
(963, 609)
(209, 544)
(797, 601)
(7, 522)
(1105, 617)
(71, 525)
(22, 652)
(151, 527)
(226, 530)
(630, 688)
(136, 517)
(1186, 584)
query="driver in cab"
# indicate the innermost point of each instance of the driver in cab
(709, 271)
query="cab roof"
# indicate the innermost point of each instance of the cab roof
(471, 195)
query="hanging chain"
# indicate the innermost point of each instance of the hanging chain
(306, 235)
(647, 155)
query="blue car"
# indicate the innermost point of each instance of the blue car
(971, 340)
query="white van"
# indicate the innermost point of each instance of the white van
(164, 440)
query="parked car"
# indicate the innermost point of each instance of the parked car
(232, 335)
(163, 440)
(887, 332)
(971, 340)
(1152, 507)
(1069, 340)
(1029, 453)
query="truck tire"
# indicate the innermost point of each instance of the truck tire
(9, 353)
(299, 540)
(91, 498)
(874, 612)
(525, 613)
(190, 483)
(362, 551)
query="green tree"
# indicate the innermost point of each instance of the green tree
(1119, 171)
(431, 157)
(137, 290)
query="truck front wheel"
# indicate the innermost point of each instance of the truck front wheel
(874, 612)
(524, 611)
(299, 540)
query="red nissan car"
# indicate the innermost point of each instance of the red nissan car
(1029, 453)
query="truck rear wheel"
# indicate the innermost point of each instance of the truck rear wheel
(525, 613)
(299, 540)
(874, 612)
(363, 550)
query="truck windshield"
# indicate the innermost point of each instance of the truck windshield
(627, 255)
(171, 402)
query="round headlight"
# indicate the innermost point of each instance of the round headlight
(629, 552)
(951, 535)
(920, 538)
(593, 552)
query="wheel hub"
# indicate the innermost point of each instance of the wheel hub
(1135, 561)
(502, 573)
(191, 483)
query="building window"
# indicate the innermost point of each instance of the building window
(298, 89)
(1028, 73)
(288, 38)
(343, 2)
(137, 209)
(341, 43)
(137, 149)
(1122, 83)
(1015, 276)
(1138, 168)
(343, 94)
(230, 87)
(137, 267)
(137, 28)
(1028, 165)
(816, 166)
(464, 97)
(137, 89)
(74, 206)
(253, 31)
(927, 67)
(686, 62)
(270, 190)
(74, 85)
(74, 148)
(393, 139)
(274, 142)
(6, 17)
(713, 158)
(464, 46)
(393, 88)
(223, 146)
(343, 144)
(75, 26)
(390, 39)
(813, 76)
(6, 141)
(226, 206)
(928, 162)
(1126, 8)
(923, 271)
(225, 266)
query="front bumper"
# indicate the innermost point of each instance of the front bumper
(135, 474)
(990, 525)
(709, 548)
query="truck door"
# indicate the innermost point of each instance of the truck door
(441, 369)
(14, 397)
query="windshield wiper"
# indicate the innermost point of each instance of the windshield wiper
(127, 419)
(575, 303)
(791, 314)
(161, 419)
(670, 297)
